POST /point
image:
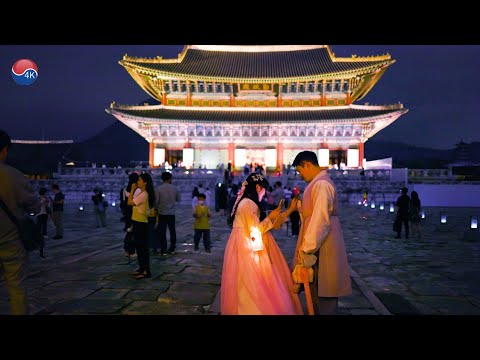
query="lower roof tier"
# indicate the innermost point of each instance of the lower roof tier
(350, 113)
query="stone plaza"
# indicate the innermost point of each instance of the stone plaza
(86, 272)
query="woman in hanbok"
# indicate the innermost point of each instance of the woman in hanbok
(256, 279)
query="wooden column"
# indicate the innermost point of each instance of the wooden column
(231, 154)
(151, 154)
(189, 94)
(279, 97)
(323, 101)
(280, 157)
(360, 154)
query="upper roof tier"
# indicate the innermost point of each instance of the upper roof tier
(265, 62)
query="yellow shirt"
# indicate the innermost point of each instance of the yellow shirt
(201, 221)
(141, 208)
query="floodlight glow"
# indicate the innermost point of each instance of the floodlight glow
(473, 223)
(323, 157)
(188, 157)
(352, 158)
(443, 218)
(158, 157)
(270, 158)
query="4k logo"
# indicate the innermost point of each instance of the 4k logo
(24, 72)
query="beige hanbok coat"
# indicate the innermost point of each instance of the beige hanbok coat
(321, 234)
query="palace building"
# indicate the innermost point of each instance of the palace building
(256, 104)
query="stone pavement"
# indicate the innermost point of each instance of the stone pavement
(86, 271)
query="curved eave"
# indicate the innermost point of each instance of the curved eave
(121, 111)
(368, 84)
(165, 75)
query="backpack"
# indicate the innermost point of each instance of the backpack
(28, 229)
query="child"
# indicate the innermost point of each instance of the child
(201, 213)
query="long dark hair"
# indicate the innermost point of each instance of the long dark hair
(250, 190)
(415, 199)
(132, 178)
(149, 189)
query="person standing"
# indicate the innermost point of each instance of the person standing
(415, 214)
(99, 208)
(142, 203)
(167, 196)
(295, 216)
(57, 211)
(403, 210)
(256, 279)
(17, 196)
(202, 213)
(278, 194)
(42, 216)
(320, 243)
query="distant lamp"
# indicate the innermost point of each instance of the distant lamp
(113, 204)
(443, 218)
(473, 223)
(372, 205)
(392, 208)
(103, 195)
(365, 204)
(32, 214)
(382, 206)
(422, 214)
(80, 208)
(360, 203)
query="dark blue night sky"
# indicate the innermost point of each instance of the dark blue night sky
(437, 83)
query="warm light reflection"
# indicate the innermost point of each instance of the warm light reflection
(255, 241)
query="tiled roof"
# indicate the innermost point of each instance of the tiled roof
(242, 116)
(255, 65)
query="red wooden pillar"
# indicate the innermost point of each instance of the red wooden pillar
(151, 154)
(279, 157)
(361, 154)
(231, 154)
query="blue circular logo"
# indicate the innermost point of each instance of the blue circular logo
(24, 72)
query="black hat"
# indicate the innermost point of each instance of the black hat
(309, 156)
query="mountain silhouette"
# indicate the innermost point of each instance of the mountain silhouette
(115, 145)
(404, 155)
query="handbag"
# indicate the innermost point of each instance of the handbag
(129, 243)
(28, 229)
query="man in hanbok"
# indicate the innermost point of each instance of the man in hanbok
(320, 243)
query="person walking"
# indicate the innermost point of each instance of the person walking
(320, 244)
(18, 196)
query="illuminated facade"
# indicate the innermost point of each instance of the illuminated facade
(259, 104)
